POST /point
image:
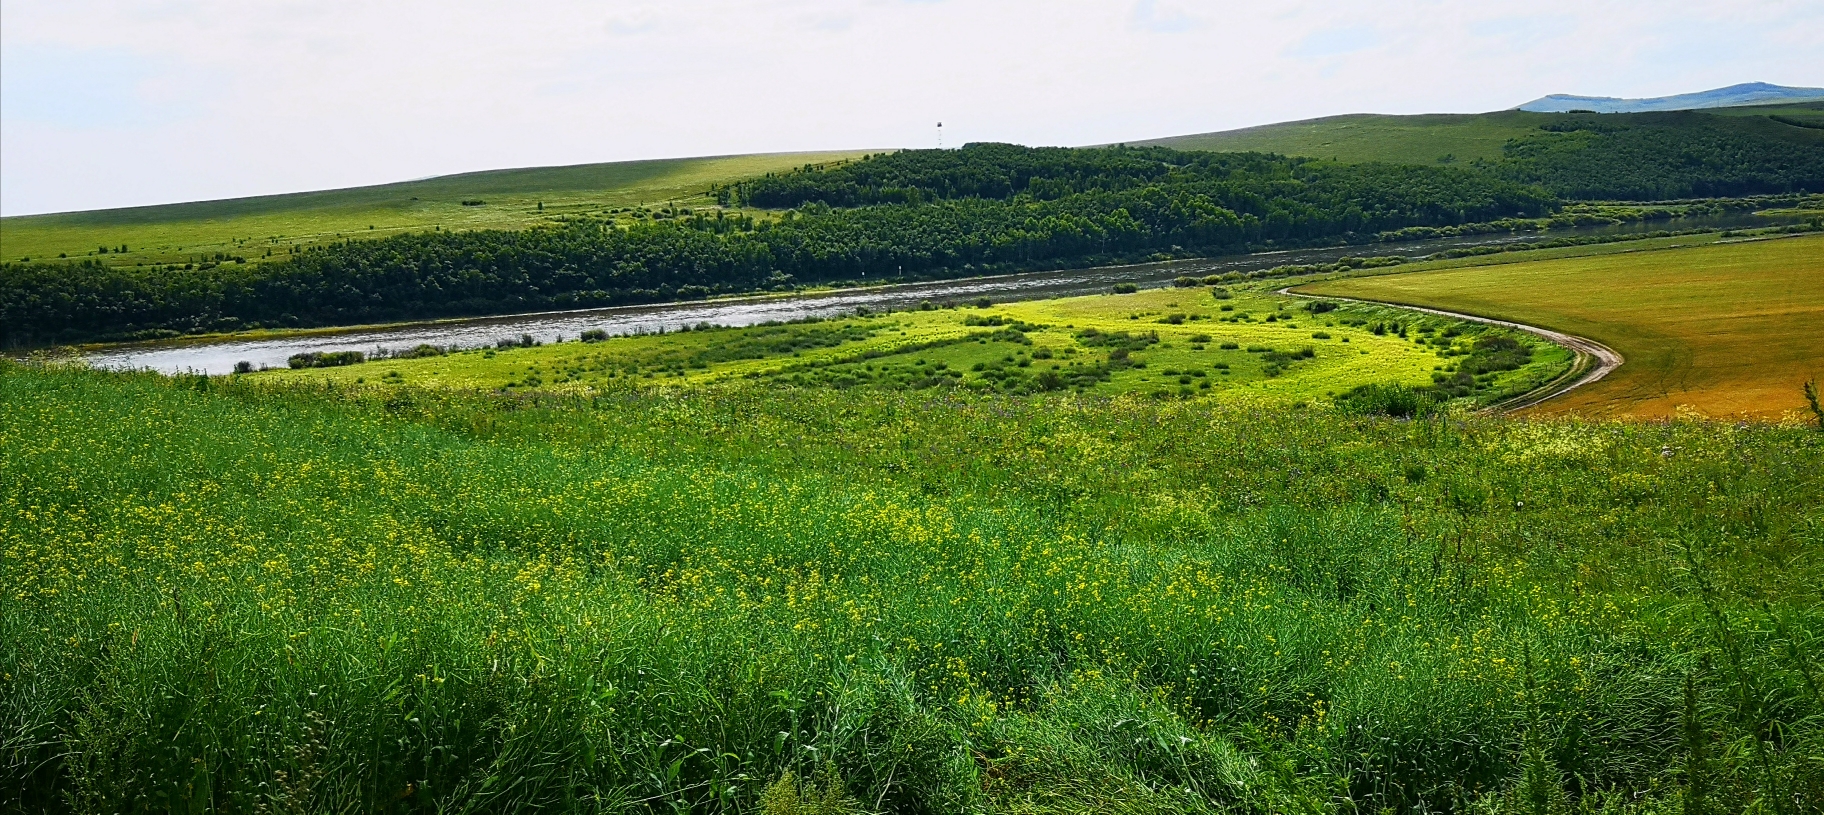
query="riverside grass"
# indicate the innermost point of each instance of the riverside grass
(1194, 341)
(226, 595)
(1728, 328)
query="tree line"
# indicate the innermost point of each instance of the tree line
(1661, 156)
(1097, 205)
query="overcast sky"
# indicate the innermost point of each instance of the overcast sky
(111, 103)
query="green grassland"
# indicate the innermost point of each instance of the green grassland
(1420, 139)
(271, 226)
(238, 595)
(1728, 328)
(1177, 342)
(1126, 553)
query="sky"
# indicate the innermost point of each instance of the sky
(109, 103)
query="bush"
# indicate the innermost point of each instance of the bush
(1125, 288)
(593, 335)
(325, 359)
(1383, 400)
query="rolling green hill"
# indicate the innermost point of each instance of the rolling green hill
(1358, 137)
(251, 227)
(1442, 138)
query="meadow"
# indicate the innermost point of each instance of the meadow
(1192, 341)
(233, 595)
(1727, 329)
(1433, 138)
(1143, 551)
(275, 226)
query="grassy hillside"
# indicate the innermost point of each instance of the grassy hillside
(1422, 139)
(1726, 329)
(253, 227)
(227, 596)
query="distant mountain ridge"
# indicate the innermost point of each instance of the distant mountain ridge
(1748, 93)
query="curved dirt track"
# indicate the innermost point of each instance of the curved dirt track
(1594, 360)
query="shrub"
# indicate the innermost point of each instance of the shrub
(422, 351)
(325, 359)
(593, 335)
(1125, 288)
(1383, 400)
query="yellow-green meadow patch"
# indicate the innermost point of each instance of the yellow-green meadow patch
(1177, 342)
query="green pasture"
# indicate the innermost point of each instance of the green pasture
(269, 227)
(1177, 342)
(1433, 138)
(1423, 139)
(1727, 327)
(236, 595)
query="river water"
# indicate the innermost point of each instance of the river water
(219, 355)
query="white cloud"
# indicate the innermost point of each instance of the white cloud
(117, 102)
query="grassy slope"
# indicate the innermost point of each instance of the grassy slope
(1351, 355)
(1374, 137)
(251, 226)
(1422, 139)
(1726, 328)
(307, 599)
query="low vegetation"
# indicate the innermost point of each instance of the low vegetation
(239, 596)
(1206, 548)
(1241, 341)
(1725, 329)
(276, 227)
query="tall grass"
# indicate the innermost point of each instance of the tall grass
(234, 597)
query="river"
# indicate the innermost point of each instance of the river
(219, 355)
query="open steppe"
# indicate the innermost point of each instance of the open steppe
(1728, 329)
(273, 226)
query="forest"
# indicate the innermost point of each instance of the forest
(918, 214)
(1659, 156)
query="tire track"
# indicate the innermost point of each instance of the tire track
(1594, 360)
